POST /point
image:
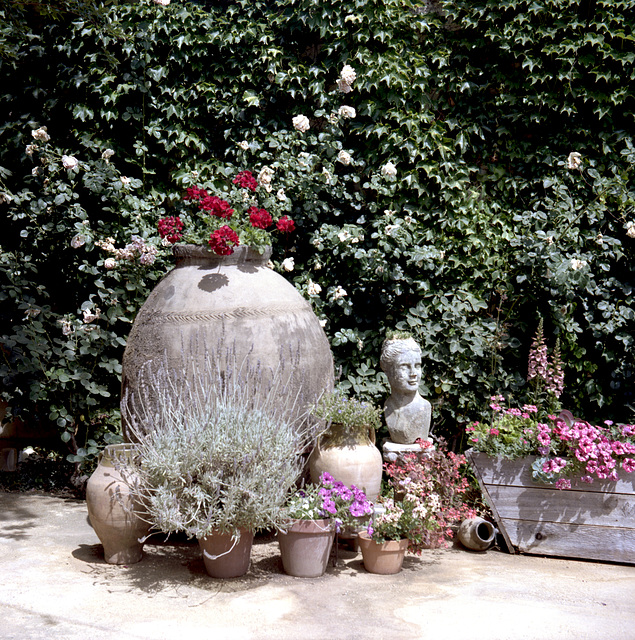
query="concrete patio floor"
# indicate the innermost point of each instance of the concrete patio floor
(56, 585)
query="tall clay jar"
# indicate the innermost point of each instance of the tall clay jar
(211, 304)
(350, 457)
(113, 511)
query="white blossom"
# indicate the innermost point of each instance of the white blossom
(67, 328)
(69, 162)
(344, 157)
(389, 170)
(32, 313)
(313, 288)
(163, 3)
(390, 228)
(106, 154)
(90, 315)
(288, 264)
(339, 292)
(303, 158)
(195, 174)
(301, 123)
(5, 197)
(78, 241)
(577, 264)
(347, 112)
(630, 229)
(110, 263)
(343, 86)
(317, 266)
(281, 194)
(344, 235)
(244, 145)
(264, 178)
(323, 323)
(327, 176)
(389, 212)
(35, 171)
(574, 160)
(348, 74)
(125, 180)
(40, 134)
(31, 149)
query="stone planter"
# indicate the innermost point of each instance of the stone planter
(305, 547)
(210, 304)
(591, 521)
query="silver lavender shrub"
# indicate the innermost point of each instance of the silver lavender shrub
(212, 454)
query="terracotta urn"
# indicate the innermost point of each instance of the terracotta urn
(114, 512)
(226, 556)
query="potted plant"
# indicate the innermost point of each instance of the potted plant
(556, 484)
(427, 498)
(346, 450)
(217, 465)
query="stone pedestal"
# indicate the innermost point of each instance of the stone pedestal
(392, 451)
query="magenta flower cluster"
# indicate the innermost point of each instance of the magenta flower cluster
(342, 503)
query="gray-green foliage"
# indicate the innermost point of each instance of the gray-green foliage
(213, 454)
(477, 106)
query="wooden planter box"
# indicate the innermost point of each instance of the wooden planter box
(591, 521)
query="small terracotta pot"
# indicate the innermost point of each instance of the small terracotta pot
(384, 558)
(114, 512)
(225, 557)
(306, 547)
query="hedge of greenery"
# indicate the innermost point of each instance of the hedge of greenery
(449, 206)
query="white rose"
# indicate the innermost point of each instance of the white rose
(389, 170)
(244, 145)
(281, 194)
(90, 316)
(630, 229)
(107, 153)
(348, 74)
(574, 160)
(78, 241)
(343, 235)
(344, 157)
(125, 180)
(327, 176)
(347, 112)
(343, 86)
(69, 162)
(314, 288)
(339, 293)
(110, 263)
(288, 264)
(40, 134)
(265, 175)
(301, 123)
(31, 149)
(163, 3)
(577, 264)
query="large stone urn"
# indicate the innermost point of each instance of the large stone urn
(239, 311)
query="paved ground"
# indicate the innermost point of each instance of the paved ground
(55, 585)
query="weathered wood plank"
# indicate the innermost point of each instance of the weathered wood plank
(518, 473)
(552, 505)
(595, 521)
(591, 542)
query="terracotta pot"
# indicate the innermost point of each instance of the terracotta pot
(210, 303)
(351, 459)
(306, 547)
(476, 534)
(384, 558)
(225, 557)
(114, 513)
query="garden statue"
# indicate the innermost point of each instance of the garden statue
(407, 413)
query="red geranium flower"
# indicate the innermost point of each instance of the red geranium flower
(216, 207)
(259, 218)
(285, 225)
(218, 241)
(195, 193)
(171, 228)
(246, 180)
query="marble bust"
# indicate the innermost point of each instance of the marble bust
(407, 413)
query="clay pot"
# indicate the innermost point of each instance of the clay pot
(349, 458)
(115, 514)
(225, 557)
(210, 303)
(306, 547)
(385, 558)
(476, 534)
